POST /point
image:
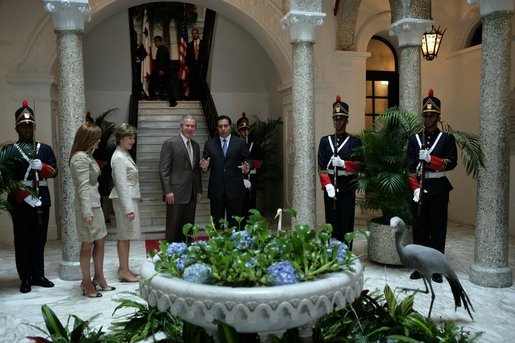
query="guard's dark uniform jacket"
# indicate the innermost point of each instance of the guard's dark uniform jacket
(431, 226)
(341, 216)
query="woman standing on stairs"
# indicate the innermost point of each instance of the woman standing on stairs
(125, 196)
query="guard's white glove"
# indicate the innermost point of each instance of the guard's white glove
(416, 195)
(247, 183)
(337, 162)
(36, 164)
(330, 190)
(423, 155)
(32, 201)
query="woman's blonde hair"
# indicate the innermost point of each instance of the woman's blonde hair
(85, 137)
(124, 130)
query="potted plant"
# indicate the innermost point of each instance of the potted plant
(254, 279)
(383, 184)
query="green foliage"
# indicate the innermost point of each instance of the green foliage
(382, 318)
(384, 180)
(56, 332)
(267, 134)
(144, 323)
(245, 261)
(8, 182)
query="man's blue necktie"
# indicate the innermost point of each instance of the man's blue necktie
(224, 147)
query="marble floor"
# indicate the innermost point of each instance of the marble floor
(20, 314)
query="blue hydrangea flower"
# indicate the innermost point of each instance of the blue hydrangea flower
(282, 273)
(243, 240)
(176, 249)
(184, 260)
(341, 249)
(198, 273)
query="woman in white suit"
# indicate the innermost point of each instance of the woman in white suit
(125, 196)
(90, 223)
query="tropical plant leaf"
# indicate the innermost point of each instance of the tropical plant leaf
(53, 324)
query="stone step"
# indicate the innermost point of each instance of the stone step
(156, 123)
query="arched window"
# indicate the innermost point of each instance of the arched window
(382, 79)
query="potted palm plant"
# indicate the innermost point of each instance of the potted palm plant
(383, 183)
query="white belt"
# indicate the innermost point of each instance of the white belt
(434, 175)
(340, 172)
(29, 183)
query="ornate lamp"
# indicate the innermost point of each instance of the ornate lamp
(431, 43)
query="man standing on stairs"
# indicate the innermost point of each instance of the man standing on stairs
(162, 73)
(194, 62)
(179, 171)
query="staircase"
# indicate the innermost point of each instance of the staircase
(156, 123)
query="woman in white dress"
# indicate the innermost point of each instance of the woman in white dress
(125, 196)
(90, 223)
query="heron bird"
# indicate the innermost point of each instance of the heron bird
(428, 261)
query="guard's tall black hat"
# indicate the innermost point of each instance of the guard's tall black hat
(24, 115)
(340, 108)
(243, 122)
(431, 105)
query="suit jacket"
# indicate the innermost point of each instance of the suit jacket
(126, 180)
(190, 55)
(225, 176)
(176, 172)
(162, 61)
(85, 171)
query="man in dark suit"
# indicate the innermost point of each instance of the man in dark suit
(162, 73)
(194, 62)
(228, 158)
(180, 179)
(433, 153)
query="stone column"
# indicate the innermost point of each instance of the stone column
(409, 31)
(302, 20)
(410, 19)
(69, 18)
(491, 268)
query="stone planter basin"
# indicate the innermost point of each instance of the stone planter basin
(381, 243)
(265, 310)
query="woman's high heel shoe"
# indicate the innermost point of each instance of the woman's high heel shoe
(127, 277)
(100, 288)
(92, 295)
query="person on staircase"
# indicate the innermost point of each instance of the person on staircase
(161, 77)
(195, 64)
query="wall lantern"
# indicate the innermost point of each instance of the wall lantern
(431, 43)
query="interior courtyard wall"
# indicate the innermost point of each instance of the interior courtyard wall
(451, 72)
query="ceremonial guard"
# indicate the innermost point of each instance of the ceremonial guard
(30, 214)
(249, 180)
(430, 155)
(337, 168)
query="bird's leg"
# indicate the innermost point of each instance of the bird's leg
(432, 298)
(405, 290)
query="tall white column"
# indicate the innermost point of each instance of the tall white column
(301, 21)
(69, 18)
(491, 267)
